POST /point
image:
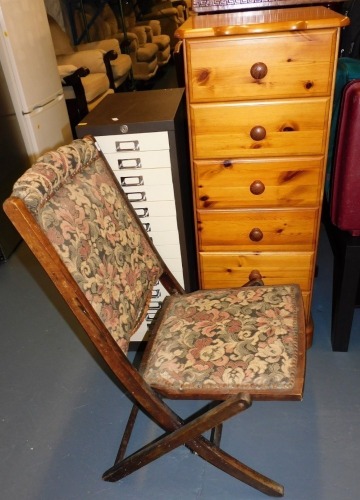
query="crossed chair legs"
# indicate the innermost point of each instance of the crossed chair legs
(189, 434)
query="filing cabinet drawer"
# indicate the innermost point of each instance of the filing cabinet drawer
(148, 209)
(161, 238)
(149, 193)
(150, 177)
(138, 160)
(175, 266)
(266, 230)
(261, 66)
(141, 332)
(133, 142)
(274, 182)
(159, 292)
(159, 224)
(271, 128)
(168, 251)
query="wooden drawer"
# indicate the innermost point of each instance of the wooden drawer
(246, 183)
(221, 69)
(138, 160)
(133, 142)
(218, 270)
(251, 230)
(291, 127)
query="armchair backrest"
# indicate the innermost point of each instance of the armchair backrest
(94, 26)
(61, 40)
(88, 234)
(108, 15)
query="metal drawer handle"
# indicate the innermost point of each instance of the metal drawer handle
(256, 234)
(147, 226)
(258, 133)
(258, 70)
(127, 145)
(150, 317)
(132, 180)
(136, 196)
(130, 163)
(257, 187)
(142, 212)
(155, 294)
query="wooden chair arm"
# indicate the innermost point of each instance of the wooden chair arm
(109, 56)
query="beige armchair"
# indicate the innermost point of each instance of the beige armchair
(153, 35)
(169, 15)
(134, 40)
(103, 58)
(82, 90)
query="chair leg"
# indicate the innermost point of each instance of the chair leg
(216, 433)
(127, 434)
(227, 463)
(190, 435)
(180, 436)
(345, 285)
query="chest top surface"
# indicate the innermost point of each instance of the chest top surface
(261, 21)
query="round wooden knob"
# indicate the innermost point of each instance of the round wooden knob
(258, 70)
(256, 234)
(258, 133)
(255, 275)
(257, 187)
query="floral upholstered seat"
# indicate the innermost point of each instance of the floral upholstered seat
(227, 341)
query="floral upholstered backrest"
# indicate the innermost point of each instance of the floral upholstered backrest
(85, 215)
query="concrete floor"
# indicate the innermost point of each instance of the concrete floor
(61, 414)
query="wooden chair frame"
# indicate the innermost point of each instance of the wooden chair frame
(177, 432)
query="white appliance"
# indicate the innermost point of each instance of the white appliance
(29, 63)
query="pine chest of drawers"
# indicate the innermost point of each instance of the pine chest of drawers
(259, 96)
(143, 136)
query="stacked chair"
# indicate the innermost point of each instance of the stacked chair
(147, 49)
(153, 32)
(171, 15)
(88, 71)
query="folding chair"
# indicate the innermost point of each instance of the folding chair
(230, 346)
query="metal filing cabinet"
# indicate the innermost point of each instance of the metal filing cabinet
(143, 135)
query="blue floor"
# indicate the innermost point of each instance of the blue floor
(62, 414)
